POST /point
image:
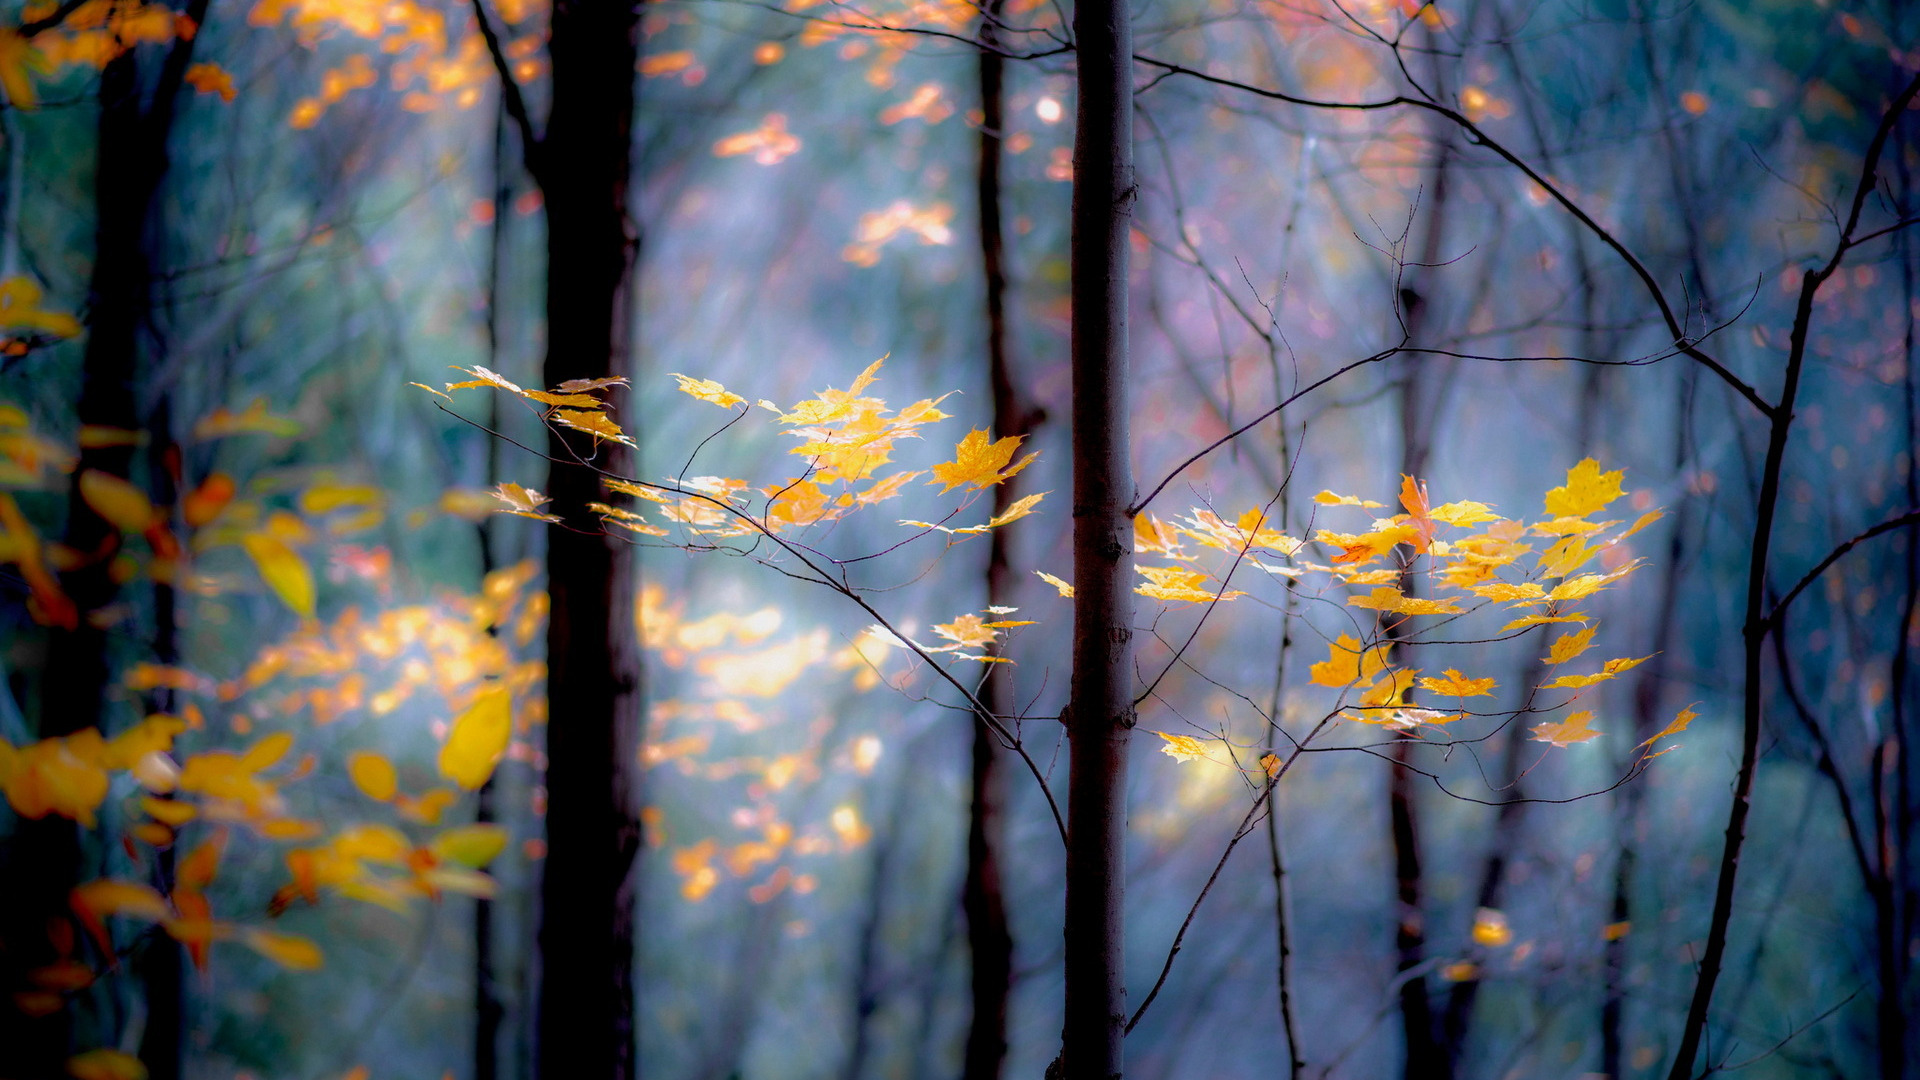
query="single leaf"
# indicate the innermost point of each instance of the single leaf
(1502, 591)
(289, 951)
(204, 503)
(1541, 620)
(1021, 508)
(284, 571)
(118, 502)
(374, 775)
(1388, 598)
(524, 502)
(595, 424)
(1567, 646)
(980, 461)
(1180, 583)
(1183, 747)
(1061, 587)
(1566, 732)
(471, 846)
(1328, 498)
(1458, 685)
(1679, 724)
(1347, 664)
(708, 390)
(478, 738)
(1586, 491)
(1490, 928)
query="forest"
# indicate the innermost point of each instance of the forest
(921, 539)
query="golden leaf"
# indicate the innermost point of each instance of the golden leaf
(1388, 598)
(478, 738)
(709, 390)
(1679, 724)
(105, 1064)
(284, 571)
(1587, 490)
(525, 502)
(1567, 646)
(981, 462)
(289, 951)
(1607, 671)
(1183, 747)
(1458, 685)
(373, 774)
(1347, 664)
(1566, 732)
(595, 424)
(1061, 587)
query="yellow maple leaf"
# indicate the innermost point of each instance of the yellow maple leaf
(1180, 583)
(967, 631)
(1183, 747)
(1463, 513)
(981, 461)
(595, 424)
(471, 846)
(1541, 620)
(1151, 536)
(709, 390)
(1347, 664)
(1679, 724)
(1061, 587)
(1328, 498)
(1503, 591)
(1021, 508)
(1566, 732)
(1388, 598)
(1567, 646)
(1586, 491)
(527, 502)
(1458, 685)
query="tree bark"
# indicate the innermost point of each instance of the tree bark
(1100, 712)
(586, 1002)
(989, 939)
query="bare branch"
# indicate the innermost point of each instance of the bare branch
(531, 148)
(1911, 517)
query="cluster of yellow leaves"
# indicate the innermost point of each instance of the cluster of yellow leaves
(847, 436)
(1464, 554)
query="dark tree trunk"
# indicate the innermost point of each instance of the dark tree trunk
(1100, 713)
(587, 911)
(44, 857)
(989, 939)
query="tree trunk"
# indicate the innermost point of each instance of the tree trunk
(44, 856)
(586, 997)
(1100, 714)
(989, 939)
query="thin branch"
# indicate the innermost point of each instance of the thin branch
(511, 99)
(1911, 517)
(1684, 342)
(29, 30)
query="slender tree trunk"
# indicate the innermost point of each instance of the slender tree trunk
(1755, 625)
(1100, 712)
(989, 939)
(587, 993)
(488, 1013)
(44, 858)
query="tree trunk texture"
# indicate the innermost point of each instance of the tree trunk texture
(989, 938)
(1100, 712)
(586, 1005)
